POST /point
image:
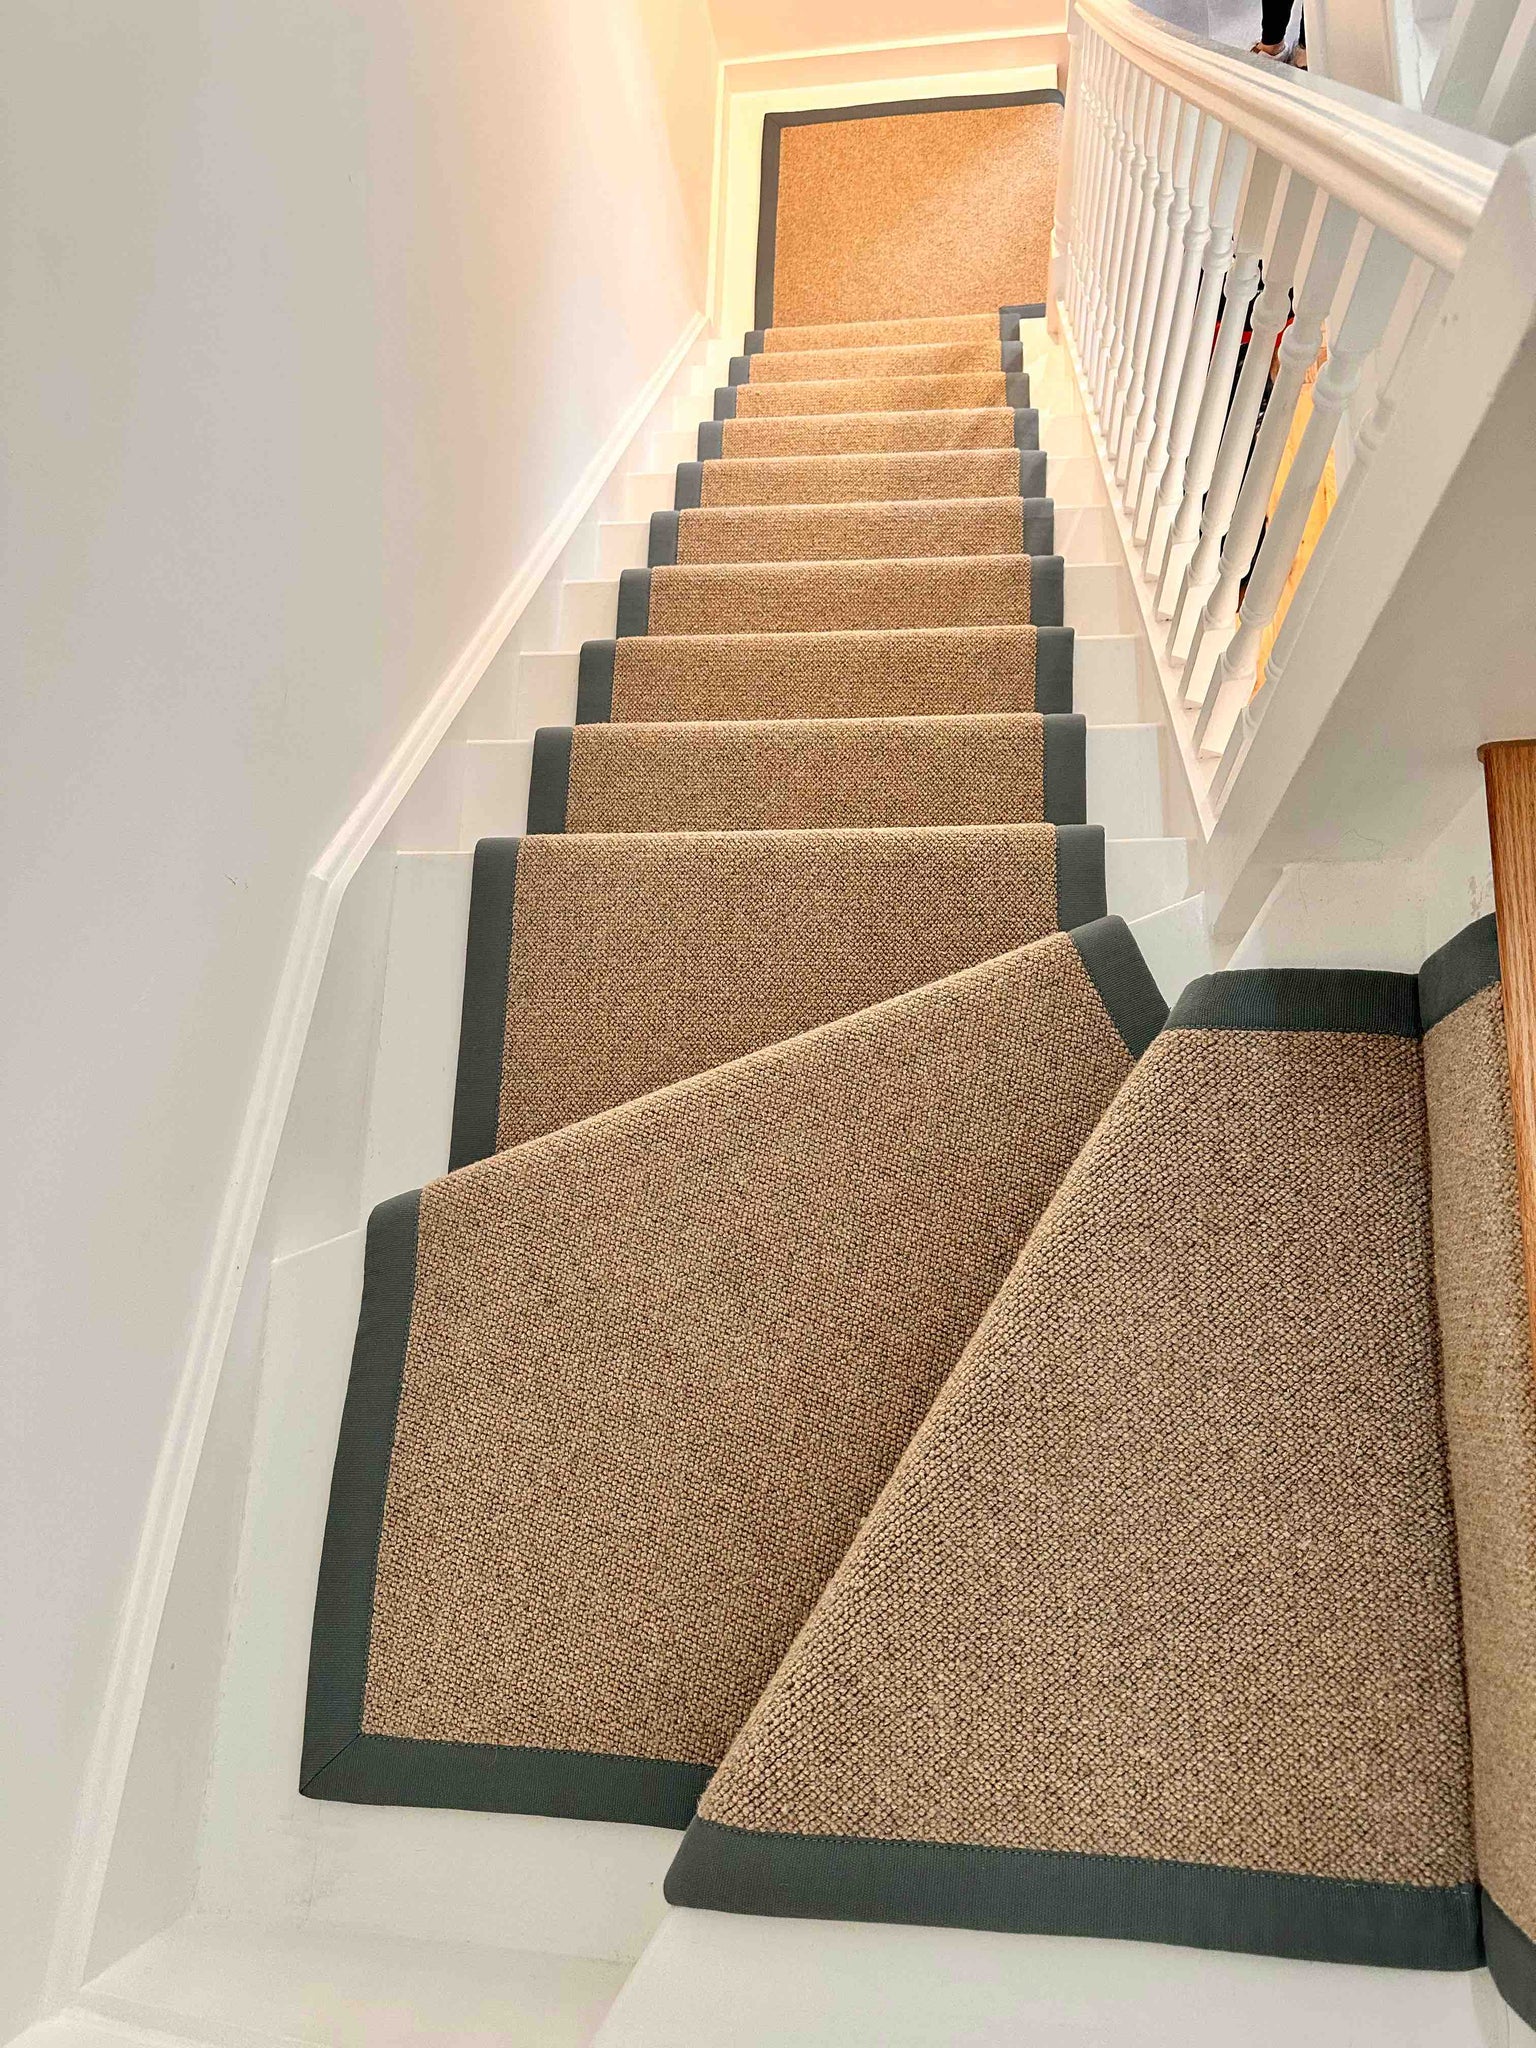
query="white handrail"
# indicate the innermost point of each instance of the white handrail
(1424, 182)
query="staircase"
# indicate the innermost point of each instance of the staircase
(716, 1498)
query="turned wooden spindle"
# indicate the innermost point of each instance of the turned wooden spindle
(1509, 771)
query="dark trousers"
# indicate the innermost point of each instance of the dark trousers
(1277, 18)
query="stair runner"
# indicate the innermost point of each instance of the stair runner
(867, 1393)
(1153, 1631)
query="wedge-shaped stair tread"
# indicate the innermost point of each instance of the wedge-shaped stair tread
(881, 333)
(901, 359)
(850, 479)
(792, 773)
(964, 391)
(620, 1398)
(602, 966)
(843, 597)
(1490, 1415)
(950, 670)
(854, 433)
(926, 529)
(1154, 1632)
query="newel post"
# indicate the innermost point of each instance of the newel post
(1509, 772)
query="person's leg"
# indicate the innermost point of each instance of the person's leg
(1275, 18)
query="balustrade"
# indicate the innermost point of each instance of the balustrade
(1204, 195)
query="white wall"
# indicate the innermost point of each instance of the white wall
(756, 28)
(311, 314)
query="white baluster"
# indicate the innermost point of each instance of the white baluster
(1298, 352)
(1270, 311)
(1113, 209)
(1214, 263)
(1066, 177)
(1127, 213)
(1189, 228)
(1112, 84)
(1085, 223)
(1376, 293)
(1155, 286)
(1242, 281)
(1135, 276)
(1080, 74)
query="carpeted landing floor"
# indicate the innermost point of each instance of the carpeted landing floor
(872, 1391)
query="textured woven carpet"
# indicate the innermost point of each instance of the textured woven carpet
(878, 333)
(909, 210)
(621, 1397)
(912, 359)
(843, 597)
(1154, 1630)
(947, 671)
(961, 391)
(852, 479)
(859, 532)
(604, 965)
(871, 433)
(787, 773)
(1490, 1416)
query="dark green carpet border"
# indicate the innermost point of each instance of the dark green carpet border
(634, 614)
(1047, 590)
(661, 540)
(1108, 949)
(1066, 768)
(1079, 876)
(339, 1761)
(487, 1777)
(483, 1014)
(1300, 999)
(1009, 318)
(549, 779)
(594, 682)
(338, 1649)
(1053, 667)
(1029, 1891)
(1037, 527)
(1511, 1958)
(768, 182)
(1460, 969)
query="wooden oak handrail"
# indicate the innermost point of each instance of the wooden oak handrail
(1509, 772)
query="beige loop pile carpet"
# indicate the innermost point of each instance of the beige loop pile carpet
(1154, 1629)
(622, 1396)
(850, 1398)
